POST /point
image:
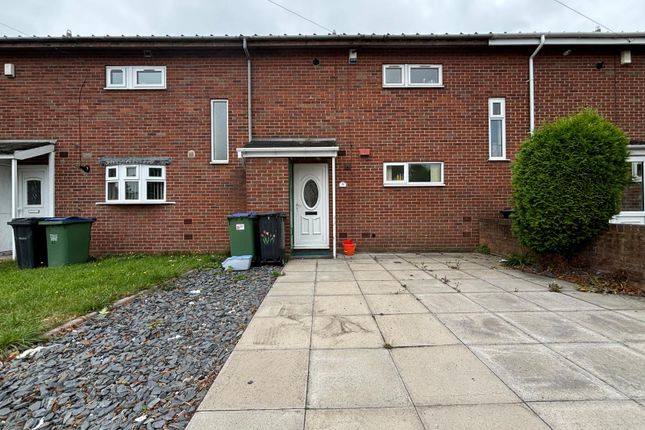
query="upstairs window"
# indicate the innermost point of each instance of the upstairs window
(219, 131)
(412, 75)
(413, 174)
(131, 184)
(135, 77)
(496, 129)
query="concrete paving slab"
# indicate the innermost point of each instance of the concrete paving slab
(296, 277)
(351, 331)
(482, 417)
(290, 267)
(354, 378)
(362, 419)
(512, 284)
(414, 330)
(483, 328)
(610, 324)
(283, 419)
(292, 289)
(448, 375)
(373, 275)
(548, 327)
(598, 415)
(536, 373)
(342, 267)
(399, 265)
(558, 302)
(264, 379)
(382, 287)
(638, 346)
(408, 275)
(610, 301)
(340, 305)
(488, 274)
(337, 288)
(617, 365)
(428, 286)
(502, 302)
(334, 276)
(451, 275)
(474, 286)
(285, 306)
(358, 266)
(636, 314)
(277, 333)
(394, 304)
(449, 303)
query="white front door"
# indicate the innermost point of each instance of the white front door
(311, 214)
(33, 192)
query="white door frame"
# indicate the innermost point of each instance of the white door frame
(19, 155)
(322, 204)
(26, 172)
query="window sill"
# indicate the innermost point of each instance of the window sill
(133, 89)
(411, 86)
(414, 185)
(219, 162)
(499, 159)
(133, 203)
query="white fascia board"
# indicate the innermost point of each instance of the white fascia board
(330, 151)
(34, 152)
(636, 150)
(533, 41)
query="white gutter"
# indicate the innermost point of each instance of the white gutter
(248, 88)
(327, 151)
(555, 40)
(532, 85)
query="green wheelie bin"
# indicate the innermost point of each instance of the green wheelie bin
(68, 240)
(242, 231)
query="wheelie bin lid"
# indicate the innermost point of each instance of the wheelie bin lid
(276, 214)
(243, 215)
(65, 220)
(25, 221)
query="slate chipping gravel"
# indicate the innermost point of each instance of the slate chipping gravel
(146, 364)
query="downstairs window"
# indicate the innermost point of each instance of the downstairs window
(413, 174)
(130, 184)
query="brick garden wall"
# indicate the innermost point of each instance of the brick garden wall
(620, 248)
(294, 98)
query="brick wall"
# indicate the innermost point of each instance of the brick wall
(267, 188)
(620, 248)
(294, 98)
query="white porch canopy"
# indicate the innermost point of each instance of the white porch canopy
(298, 148)
(14, 151)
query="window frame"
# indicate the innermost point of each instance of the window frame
(491, 117)
(406, 174)
(130, 78)
(142, 178)
(631, 159)
(406, 75)
(213, 160)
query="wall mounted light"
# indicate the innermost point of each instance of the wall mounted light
(353, 56)
(85, 168)
(10, 70)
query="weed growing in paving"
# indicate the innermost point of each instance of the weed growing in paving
(554, 287)
(482, 249)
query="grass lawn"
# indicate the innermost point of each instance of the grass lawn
(33, 301)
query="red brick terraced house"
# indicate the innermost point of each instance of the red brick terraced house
(398, 142)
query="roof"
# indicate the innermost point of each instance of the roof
(8, 147)
(330, 40)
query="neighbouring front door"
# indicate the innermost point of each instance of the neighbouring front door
(33, 192)
(311, 214)
(5, 207)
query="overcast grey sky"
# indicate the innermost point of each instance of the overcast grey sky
(190, 17)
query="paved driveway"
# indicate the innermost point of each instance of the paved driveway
(431, 341)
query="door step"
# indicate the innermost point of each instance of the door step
(311, 253)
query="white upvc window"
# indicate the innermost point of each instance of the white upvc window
(412, 75)
(219, 131)
(413, 174)
(135, 77)
(132, 184)
(497, 129)
(632, 208)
